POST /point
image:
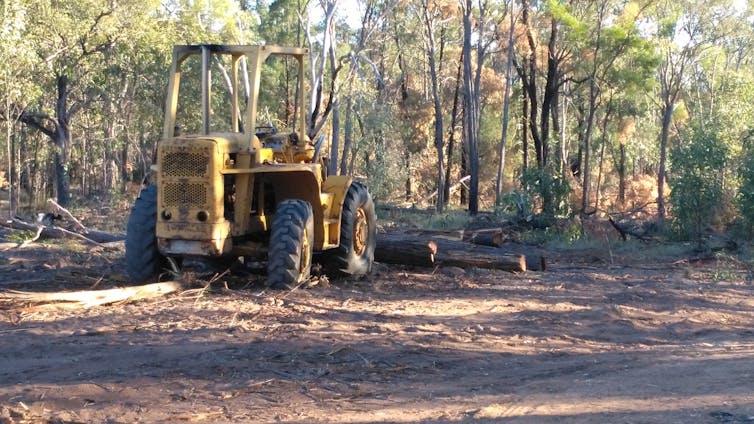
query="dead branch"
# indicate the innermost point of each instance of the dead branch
(625, 232)
(56, 208)
(90, 298)
(453, 188)
(56, 232)
(33, 239)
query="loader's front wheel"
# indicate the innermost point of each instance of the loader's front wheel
(291, 244)
(358, 224)
(143, 260)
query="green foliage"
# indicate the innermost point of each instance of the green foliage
(20, 236)
(696, 180)
(448, 220)
(745, 198)
(515, 203)
(116, 56)
(562, 11)
(548, 190)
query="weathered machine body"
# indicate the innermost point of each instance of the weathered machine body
(218, 188)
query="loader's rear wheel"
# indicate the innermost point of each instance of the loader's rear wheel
(358, 223)
(143, 260)
(291, 242)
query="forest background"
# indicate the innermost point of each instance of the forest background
(551, 108)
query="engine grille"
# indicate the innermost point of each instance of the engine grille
(185, 164)
(184, 194)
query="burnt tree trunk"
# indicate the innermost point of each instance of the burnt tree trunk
(452, 133)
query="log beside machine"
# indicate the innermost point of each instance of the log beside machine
(493, 237)
(406, 249)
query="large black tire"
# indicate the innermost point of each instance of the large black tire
(291, 244)
(143, 260)
(358, 225)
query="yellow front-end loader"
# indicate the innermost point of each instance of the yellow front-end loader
(227, 187)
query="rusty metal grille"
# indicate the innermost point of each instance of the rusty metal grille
(181, 194)
(185, 164)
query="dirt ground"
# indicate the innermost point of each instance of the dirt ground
(600, 337)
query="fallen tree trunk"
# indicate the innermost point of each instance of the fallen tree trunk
(51, 231)
(481, 257)
(91, 298)
(411, 250)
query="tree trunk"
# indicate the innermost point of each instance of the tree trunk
(506, 108)
(452, 133)
(10, 164)
(622, 175)
(608, 111)
(524, 131)
(471, 111)
(586, 177)
(564, 165)
(409, 183)
(347, 133)
(61, 140)
(464, 160)
(438, 138)
(667, 115)
(335, 146)
(549, 96)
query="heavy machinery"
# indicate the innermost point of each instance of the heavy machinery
(232, 188)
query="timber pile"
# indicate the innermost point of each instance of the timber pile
(493, 237)
(482, 249)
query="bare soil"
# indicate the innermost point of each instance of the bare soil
(601, 337)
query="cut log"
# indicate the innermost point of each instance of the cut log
(492, 237)
(463, 254)
(481, 257)
(535, 257)
(411, 250)
(405, 250)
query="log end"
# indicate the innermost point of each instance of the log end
(536, 263)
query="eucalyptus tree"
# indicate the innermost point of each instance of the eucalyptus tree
(611, 38)
(16, 85)
(544, 22)
(435, 16)
(506, 105)
(362, 70)
(683, 30)
(543, 26)
(477, 41)
(67, 54)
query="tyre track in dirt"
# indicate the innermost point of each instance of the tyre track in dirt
(575, 344)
